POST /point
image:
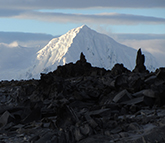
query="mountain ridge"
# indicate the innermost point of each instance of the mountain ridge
(100, 50)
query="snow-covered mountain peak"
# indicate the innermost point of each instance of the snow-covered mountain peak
(83, 27)
(61, 44)
(77, 30)
(99, 49)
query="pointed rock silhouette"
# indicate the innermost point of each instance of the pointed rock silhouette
(82, 57)
(140, 59)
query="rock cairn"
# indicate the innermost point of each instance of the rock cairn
(78, 103)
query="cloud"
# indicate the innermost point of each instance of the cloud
(138, 36)
(9, 13)
(14, 44)
(25, 39)
(27, 9)
(106, 18)
(153, 43)
(57, 4)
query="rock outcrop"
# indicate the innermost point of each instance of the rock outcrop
(140, 59)
(78, 103)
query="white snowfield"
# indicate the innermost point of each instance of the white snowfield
(99, 49)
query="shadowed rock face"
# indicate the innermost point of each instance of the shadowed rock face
(140, 59)
(78, 103)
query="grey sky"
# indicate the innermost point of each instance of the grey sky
(54, 4)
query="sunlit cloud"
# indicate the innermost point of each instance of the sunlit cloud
(107, 18)
(14, 44)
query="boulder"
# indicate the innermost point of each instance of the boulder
(5, 118)
(160, 73)
(122, 96)
(119, 69)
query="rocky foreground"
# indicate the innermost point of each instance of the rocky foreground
(85, 104)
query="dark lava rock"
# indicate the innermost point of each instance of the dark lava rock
(160, 73)
(119, 69)
(140, 59)
(122, 96)
(82, 58)
(5, 118)
(84, 104)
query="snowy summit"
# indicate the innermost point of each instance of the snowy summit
(99, 49)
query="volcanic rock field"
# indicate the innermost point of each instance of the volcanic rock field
(78, 103)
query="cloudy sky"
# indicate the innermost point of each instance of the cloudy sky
(136, 23)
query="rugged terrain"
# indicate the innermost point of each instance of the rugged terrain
(101, 50)
(25, 62)
(84, 104)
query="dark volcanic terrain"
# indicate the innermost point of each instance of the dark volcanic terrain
(85, 104)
